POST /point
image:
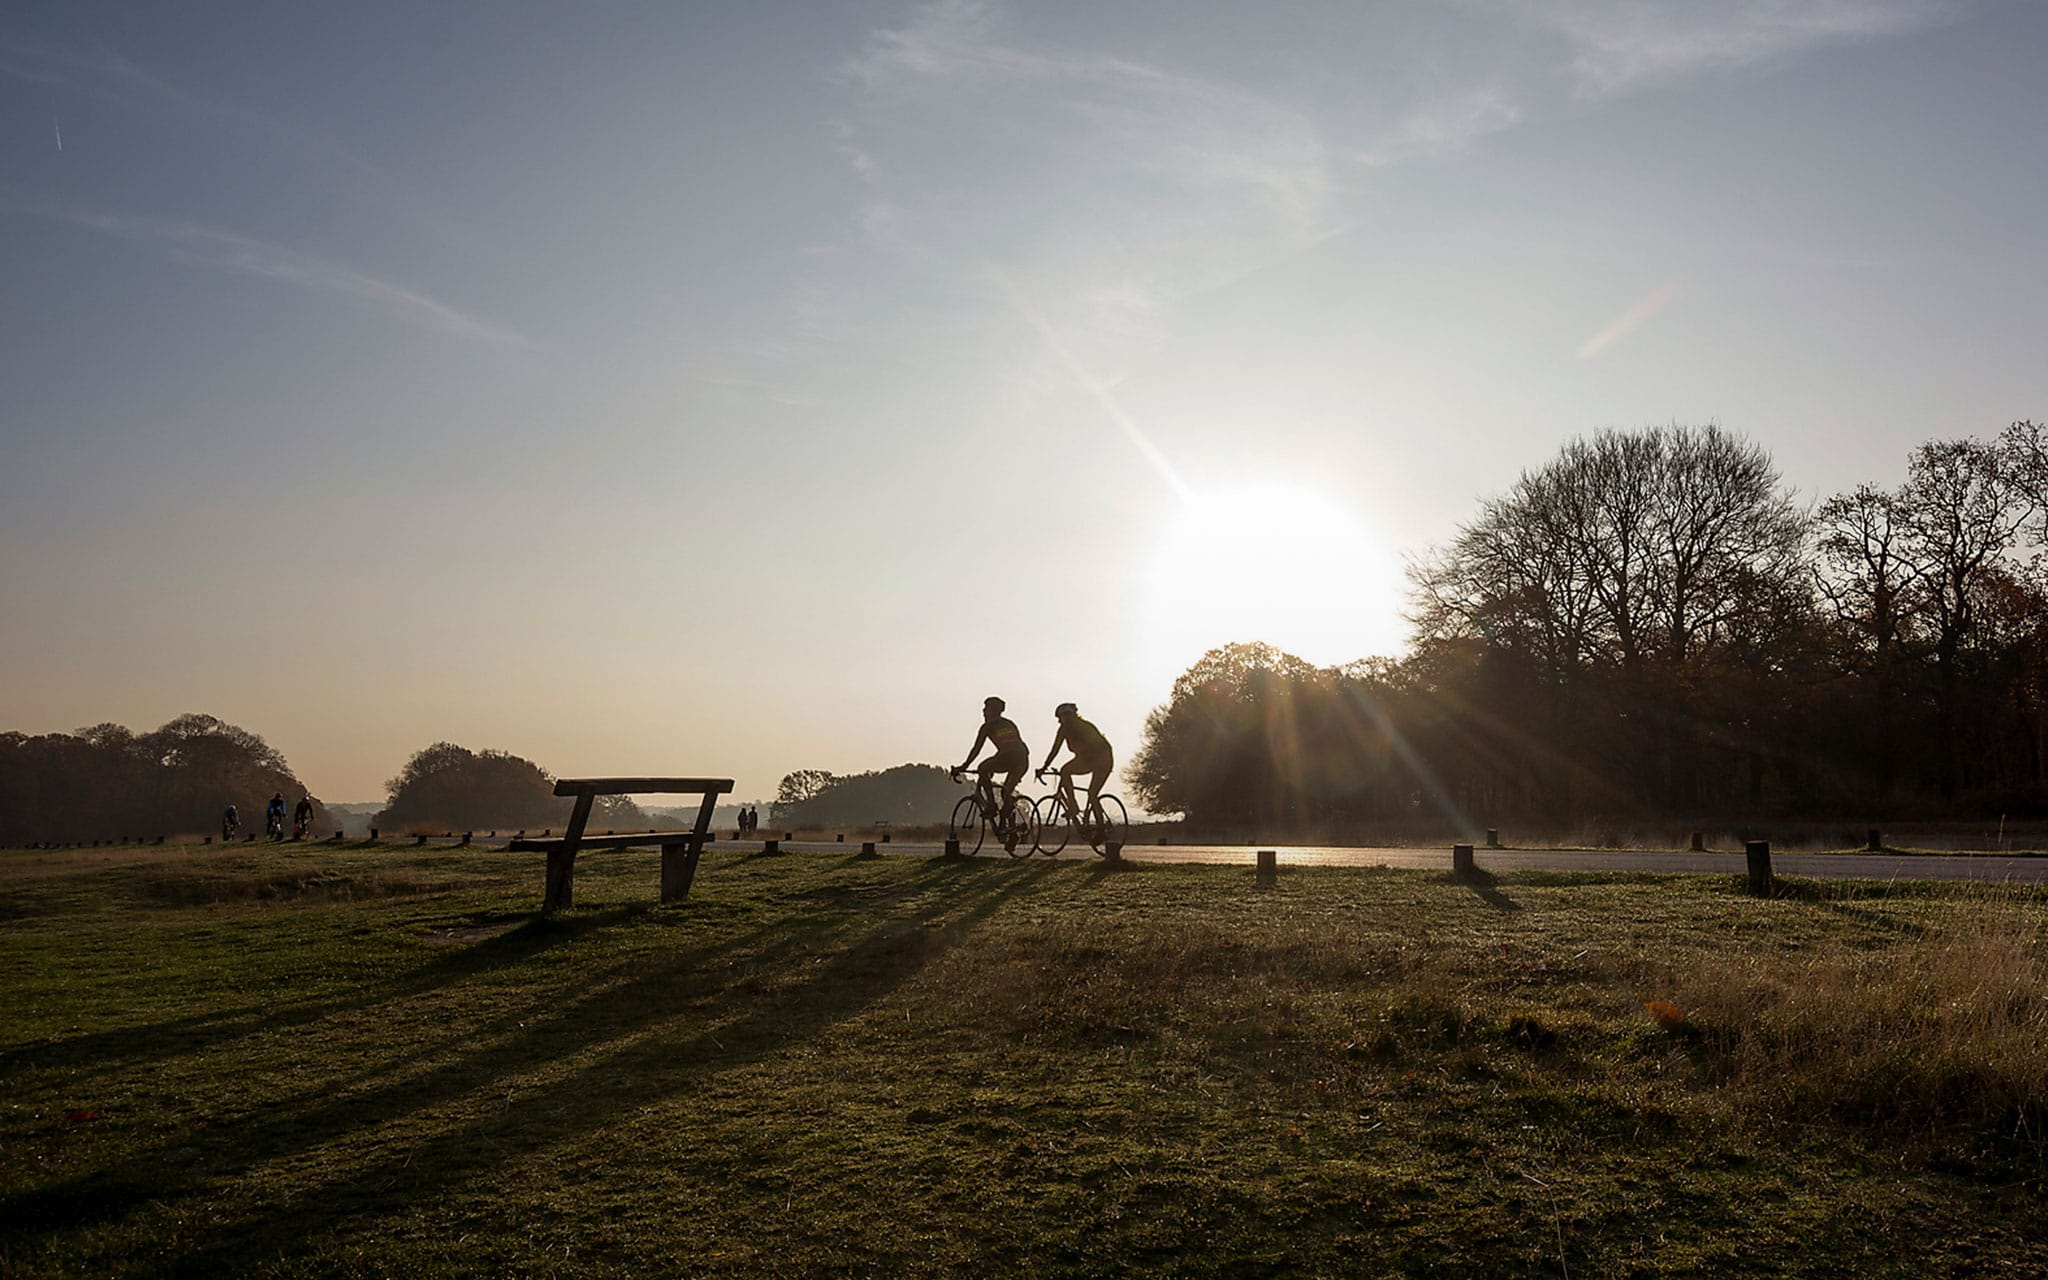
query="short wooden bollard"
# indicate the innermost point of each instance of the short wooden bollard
(789, 835)
(841, 837)
(250, 838)
(1759, 852)
(1876, 844)
(1493, 837)
(867, 849)
(335, 836)
(885, 837)
(465, 838)
(1699, 842)
(1269, 866)
(207, 840)
(159, 839)
(373, 834)
(771, 846)
(1461, 860)
(1113, 851)
(419, 839)
(952, 848)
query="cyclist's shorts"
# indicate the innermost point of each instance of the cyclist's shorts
(1102, 763)
(1013, 763)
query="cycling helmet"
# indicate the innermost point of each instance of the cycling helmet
(993, 704)
(1064, 710)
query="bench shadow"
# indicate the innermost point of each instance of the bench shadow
(720, 1016)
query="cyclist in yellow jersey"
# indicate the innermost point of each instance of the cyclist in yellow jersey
(1012, 757)
(1091, 751)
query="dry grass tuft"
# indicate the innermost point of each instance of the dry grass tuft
(1948, 1030)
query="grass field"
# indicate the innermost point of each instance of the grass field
(346, 1060)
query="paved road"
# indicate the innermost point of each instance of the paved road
(1824, 866)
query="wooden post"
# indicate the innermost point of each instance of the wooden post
(336, 836)
(465, 838)
(561, 890)
(208, 840)
(1699, 842)
(1493, 837)
(1113, 851)
(867, 849)
(1759, 852)
(373, 835)
(419, 839)
(1269, 866)
(1876, 840)
(789, 835)
(1461, 861)
(771, 847)
(952, 847)
(885, 837)
(841, 837)
(678, 868)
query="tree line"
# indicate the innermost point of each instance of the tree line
(1651, 623)
(109, 782)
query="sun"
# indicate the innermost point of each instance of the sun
(1276, 563)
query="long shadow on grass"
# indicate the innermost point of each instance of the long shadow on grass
(97, 1052)
(628, 1057)
(1487, 886)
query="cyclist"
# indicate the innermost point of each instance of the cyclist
(230, 822)
(1091, 754)
(302, 817)
(1011, 759)
(273, 817)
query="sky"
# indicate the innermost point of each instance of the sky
(688, 388)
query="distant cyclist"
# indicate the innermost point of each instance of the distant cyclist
(230, 822)
(1092, 755)
(302, 817)
(273, 817)
(1011, 759)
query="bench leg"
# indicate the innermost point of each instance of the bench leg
(561, 892)
(678, 869)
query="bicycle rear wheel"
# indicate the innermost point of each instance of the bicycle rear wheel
(1021, 839)
(1108, 824)
(966, 824)
(1055, 825)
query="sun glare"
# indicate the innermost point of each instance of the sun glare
(1279, 564)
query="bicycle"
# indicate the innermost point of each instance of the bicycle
(273, 827)
(977, 815)
(1060, 814)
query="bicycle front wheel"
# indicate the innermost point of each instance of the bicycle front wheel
(1055, 825)
(1108, 824)
(966, 824)
(1021, 837)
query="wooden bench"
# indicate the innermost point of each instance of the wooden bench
(679, 849)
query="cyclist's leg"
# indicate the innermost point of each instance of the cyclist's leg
(1103, 766)
(986, 787)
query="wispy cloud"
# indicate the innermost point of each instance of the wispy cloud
(1102, 187)
(1626, 44)
(218, 250)
(1448, 124)
(104, 73)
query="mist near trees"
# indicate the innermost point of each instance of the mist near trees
(108, 782)
(1651, 624)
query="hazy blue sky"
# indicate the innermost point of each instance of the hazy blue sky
(739, 388)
